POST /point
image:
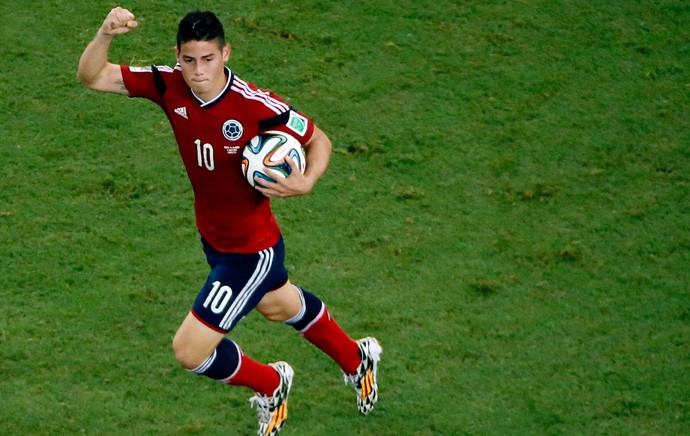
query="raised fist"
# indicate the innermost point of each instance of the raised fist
(118, 21)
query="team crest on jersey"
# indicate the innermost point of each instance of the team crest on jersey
(232, 130)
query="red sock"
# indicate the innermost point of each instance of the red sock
(257, 376)
(327, 335)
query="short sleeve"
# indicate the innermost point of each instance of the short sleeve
(140, 82)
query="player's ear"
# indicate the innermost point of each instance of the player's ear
(226, 52)
(177, 54)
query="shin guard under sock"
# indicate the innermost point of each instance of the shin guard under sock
(228, 365)
(318, 327)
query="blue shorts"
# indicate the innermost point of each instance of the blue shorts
(237, 283)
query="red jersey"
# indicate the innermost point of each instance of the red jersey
(230, 215)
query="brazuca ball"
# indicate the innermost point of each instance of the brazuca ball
(267, 151)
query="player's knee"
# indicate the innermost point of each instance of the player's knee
(275, 315)
(184, 354)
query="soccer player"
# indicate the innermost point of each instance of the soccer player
(213, 114)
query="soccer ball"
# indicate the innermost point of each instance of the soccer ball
(267, 151)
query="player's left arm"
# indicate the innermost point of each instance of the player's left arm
(318, 153)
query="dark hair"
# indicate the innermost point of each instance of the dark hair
(200, 26)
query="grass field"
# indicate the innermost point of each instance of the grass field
(507, 210)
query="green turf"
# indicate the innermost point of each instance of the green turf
(507, 210)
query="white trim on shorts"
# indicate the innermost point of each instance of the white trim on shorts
(262, 269)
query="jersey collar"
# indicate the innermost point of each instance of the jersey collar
(206, 104)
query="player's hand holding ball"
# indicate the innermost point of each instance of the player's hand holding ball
(269, 159)
(295, 185)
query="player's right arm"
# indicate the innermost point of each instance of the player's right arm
(95, 71)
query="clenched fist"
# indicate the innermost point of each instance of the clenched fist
(118, 21)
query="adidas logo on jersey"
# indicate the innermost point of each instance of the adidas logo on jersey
(182, 111)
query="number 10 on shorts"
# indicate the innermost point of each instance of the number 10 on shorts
(218, 298)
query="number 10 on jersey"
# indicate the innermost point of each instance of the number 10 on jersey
(204, 155)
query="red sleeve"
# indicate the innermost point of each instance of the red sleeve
(299, 126)
(139, 82)
(292, 122)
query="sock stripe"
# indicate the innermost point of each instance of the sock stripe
(322, 312)
(206, 364)
(226, 380)
(302, 309)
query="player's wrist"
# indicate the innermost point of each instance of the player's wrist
(104, 35)
(308, 185)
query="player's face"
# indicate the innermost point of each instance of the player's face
(203, 67)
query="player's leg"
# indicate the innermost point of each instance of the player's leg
(236, 283)
(205, 351)
(308, 314)
(227, 364)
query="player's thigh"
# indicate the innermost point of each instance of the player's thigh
(236, 286)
